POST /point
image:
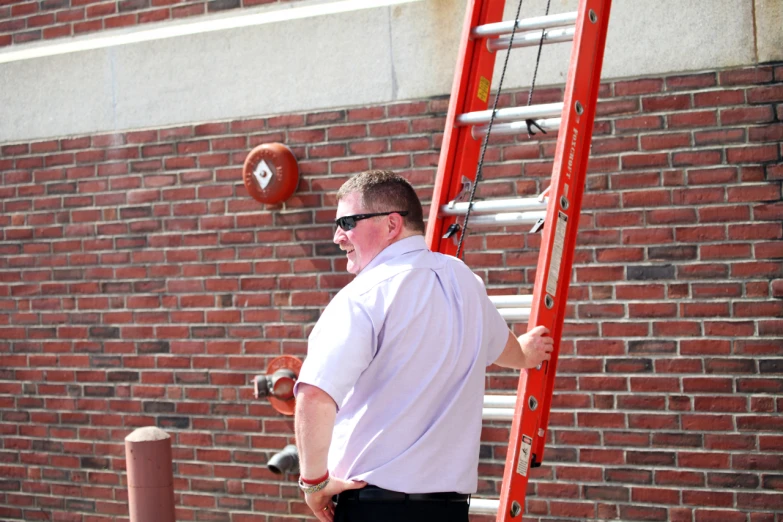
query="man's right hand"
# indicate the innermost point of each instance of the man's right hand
(537, 346)
(321, 501)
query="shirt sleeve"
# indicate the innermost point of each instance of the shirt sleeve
(495, 330)
(339, 349)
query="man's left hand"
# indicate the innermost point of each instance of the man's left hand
(537, 346)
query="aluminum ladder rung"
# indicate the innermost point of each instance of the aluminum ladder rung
(512, 301)
(517, 127)
(494, 205)
(515, 314)
(497, 414)
(508, 218)
(499, 407)
(484, 506)
(544, 110)
(500, 401)
(532, 38)
(526, 24)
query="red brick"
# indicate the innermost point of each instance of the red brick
(683, 215)
(669, 102)
(406, 109)
(693, 119)
(767, 94)
(757, 192)
(293, 120)
(613, 107)
(325, 117)
(768, 250)
(672, 178)
(766, 133)
(366, 113)
(756, 269)
(698, 196)
(757, 154)
(125, 20)
(729, 251)
(635, 123)
(723, 214)
(770, 212)
(632, 87)
(719, 98)
(719, 136)
(154, 16)
(665, 141)
(606, 145)
(712, 309)
(747, 76)
(410, 144)
(346, 131)
(702, 157)
(774, 172)
(635, 161)
(392, 128)
(349, 166)
(763, 114)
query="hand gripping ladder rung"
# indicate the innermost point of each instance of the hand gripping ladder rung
(483, 33)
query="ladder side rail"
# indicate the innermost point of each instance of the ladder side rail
(581, 163)
(557, 246)
(459, 151)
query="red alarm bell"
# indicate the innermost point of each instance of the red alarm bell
(270, 173)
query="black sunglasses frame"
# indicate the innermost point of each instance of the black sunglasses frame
(349, 222)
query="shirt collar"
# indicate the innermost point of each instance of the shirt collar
(398, 248)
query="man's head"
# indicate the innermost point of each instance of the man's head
(375, 192)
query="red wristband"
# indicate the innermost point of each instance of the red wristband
(316, 481)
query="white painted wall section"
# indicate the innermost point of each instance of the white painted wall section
(355, 57)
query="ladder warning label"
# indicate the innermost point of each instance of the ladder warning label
(557, 253)
(524, 455)
(483, 89)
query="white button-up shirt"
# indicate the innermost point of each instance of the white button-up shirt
(403, 351)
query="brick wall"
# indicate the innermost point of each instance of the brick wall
(27, 21)
(140, 285)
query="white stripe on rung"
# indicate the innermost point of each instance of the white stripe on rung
(517, 127)
(511, 301)
(484, 506)
(532, 38)
(544, 110)
(507, 218)
(500, 401)
(497, 414)
(494, 205)
(526, 24)
(515, 314)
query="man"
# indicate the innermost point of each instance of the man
(389, 399)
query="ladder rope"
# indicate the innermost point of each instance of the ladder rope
(480, 168)
(538, 59)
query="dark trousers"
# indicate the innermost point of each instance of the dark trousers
(372, 504)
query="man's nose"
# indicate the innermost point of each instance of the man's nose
(339, 235)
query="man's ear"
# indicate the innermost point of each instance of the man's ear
(396, 225)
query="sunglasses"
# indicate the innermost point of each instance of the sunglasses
(349, 222)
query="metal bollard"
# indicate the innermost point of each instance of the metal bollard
(150, 475)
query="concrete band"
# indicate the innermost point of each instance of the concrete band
(353, 58)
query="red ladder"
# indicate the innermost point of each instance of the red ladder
(481, 36)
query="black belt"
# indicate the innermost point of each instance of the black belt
(376, 494)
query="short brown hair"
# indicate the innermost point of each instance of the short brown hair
(384, 191)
